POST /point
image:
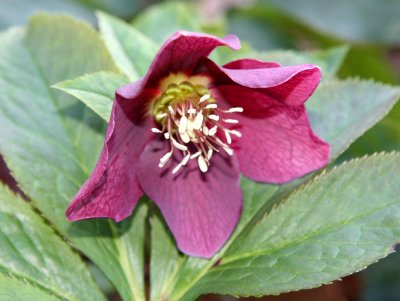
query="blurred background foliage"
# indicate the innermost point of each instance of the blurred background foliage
(369, 29)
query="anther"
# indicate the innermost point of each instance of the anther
(228, 137)
(235, 110)
(213, 130)
(182, 125)
(213, 117)
(155, 130)
(236, 133)
(198, 121)
(204, 98)
(211, 106)
(178, 145)
(234, 121)
(202, 164)
(195, 155)
(166, 135)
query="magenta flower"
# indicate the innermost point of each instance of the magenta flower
(184, 133)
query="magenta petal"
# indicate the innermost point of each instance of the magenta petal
(181, 52)
(292, 85)
(250, 64)
(112, 189)
(277, 143)
(200, 209)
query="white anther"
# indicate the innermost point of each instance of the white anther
(176, 168)
(228, 137)
(166, 135)
(202, 164)
(209, 153)
(186, 159)
(204, 98)
(162, 115)
(228, 150)
(231, 120)
(171, 110)
(213, 117)
(235, 110)
(155, 130)
(211, 106)
(185, 137)
(205, 130)
(195, 155)
(192, 111)
(198, 121)
(212, 131)
(178, 145)
(164, 159)
(182, 125)
(236, 133)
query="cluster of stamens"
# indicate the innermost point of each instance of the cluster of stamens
(190, 120)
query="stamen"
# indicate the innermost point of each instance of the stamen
(202, 164)
(205, 130)
(195, 155)
(236, 133)
(186, 159)
(178, 145)
(213, 130)
(166, 135)
(228, 137)
(204, 98)
(185, 137)
(176, 168)
(164, 159)
(211, 106)
(198, 121)
(209, 153)
(213, 117)
(182, 125)
(155, 130)
(235, 110)
(161, 116)
(192, 111)
(231, 121)
(228, 150)
(171, 110)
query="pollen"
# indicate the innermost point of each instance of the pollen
(191, 122)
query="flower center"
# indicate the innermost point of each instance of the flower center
(189, 119)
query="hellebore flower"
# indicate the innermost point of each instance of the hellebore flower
(184, 132)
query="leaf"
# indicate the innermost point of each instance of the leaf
(132, 51)
(122, 8)
(341, 111)
(96, 90)
(12, 289)
(347, 20)
(160, 21)
(17, 12)
(330, 228)
(30, 250)
(50, 141)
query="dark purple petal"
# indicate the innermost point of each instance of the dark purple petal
(250, 64)
(112, 189)
(201, 209)
(181, 52)
(277, 143)
(292, 85)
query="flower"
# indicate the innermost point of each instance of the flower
(184, 132)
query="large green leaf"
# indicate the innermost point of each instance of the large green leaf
(341, 222)
(341, 111)
(96, 90)
(12, 289)
(132, 51)
(30, 250)
(51, 142)
(348, 20)
(160, 21)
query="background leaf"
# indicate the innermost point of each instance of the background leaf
(50, 141)
(31, 252)
(96, 90)
(327, 229)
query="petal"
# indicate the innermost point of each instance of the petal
(181, 52)
(250, 64)
(112, 190)
(292, 85)
(201, 209)
(277, 143)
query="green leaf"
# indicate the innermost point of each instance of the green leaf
(12, 289)
(132, 51)
(31, 251)
(96, 90)
(51, 141)
(347, 20)
(330, 228)
(160, 21)
(341, 111)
